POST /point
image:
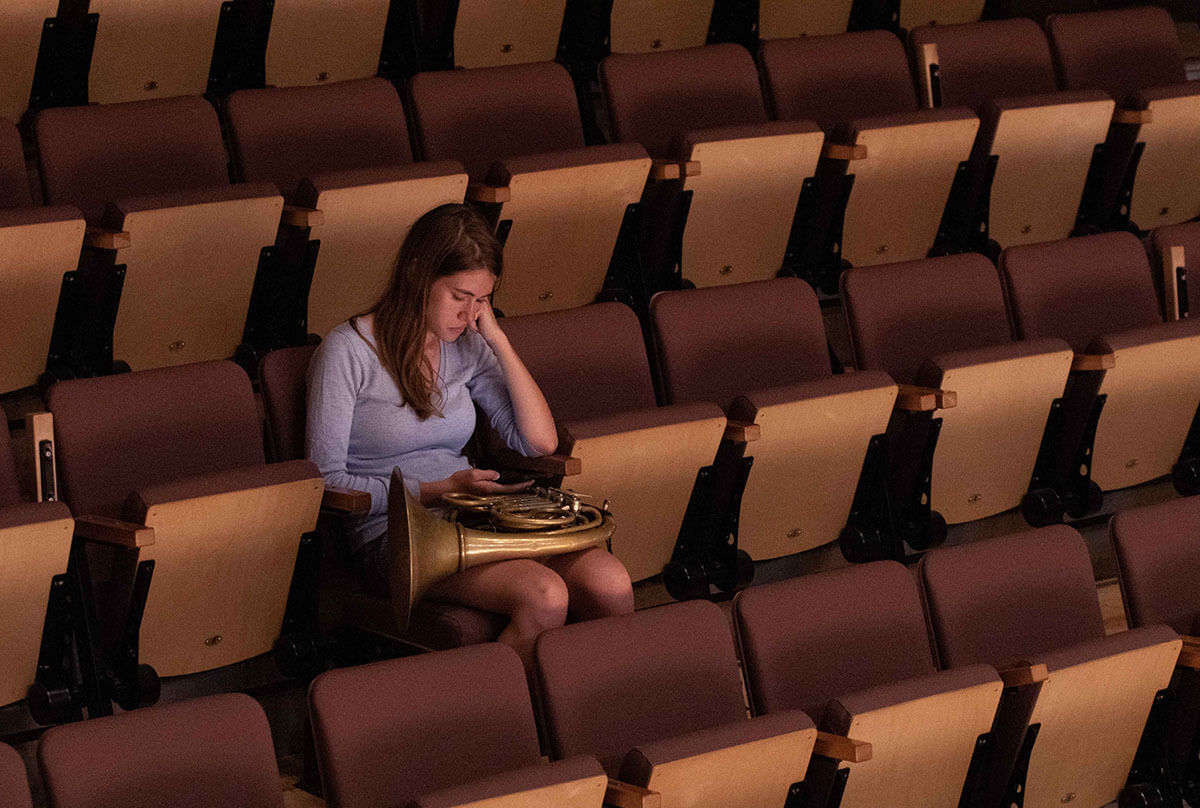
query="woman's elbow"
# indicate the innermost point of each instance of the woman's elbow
(543, 444)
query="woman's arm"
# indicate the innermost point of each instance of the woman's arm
(529, 405)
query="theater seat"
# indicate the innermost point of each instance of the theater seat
(177, 452)
(591, 364)
(316, 43)
(340, 156)
(442, 729)
(489, 33)
(1031, 157)
(866, 667)
(1029, 600)
(561, 204)
(737, 176)
(433, 624)
(1134, 55)
(207, 751)
(641, 26)
(22, 23)
(657, 697)
(942, 323)
(1097, 293)
(787, 19)
(13, 783)
(175, 247)
(758, 351)
(1172, 248)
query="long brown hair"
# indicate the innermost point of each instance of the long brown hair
(446, 240)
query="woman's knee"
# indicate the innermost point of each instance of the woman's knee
(599, 586)
(543, 599)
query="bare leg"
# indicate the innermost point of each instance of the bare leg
(598, 584)
(532, 595)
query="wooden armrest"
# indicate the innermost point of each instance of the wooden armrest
(296, 216)
(627, 795)
(839, 151)
(39, 429)
(1132, 116)
(690, 168)
(838, 747)
(554, 465)
(925, 399)
(103, 239)
(113, 531)
(1024, 675)
(1189, 657)
(489, 194)
(345, 501)
(663, 170)
(1093, 361)
(742, 432)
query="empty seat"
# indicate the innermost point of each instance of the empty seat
(13, 783)
(657, 696)
(561, 203)
(1097, 293)
(314, 43)
(1172, 249)
(439, 729)
(758, 351)
(591, 364)
(866, 668)
(153, 175)
(1135, 56)
(858, 88)
(942, 323)
(702, 109)
(1040, 140)
(433, 624)
(151, 50)
(208, 751)
(340, 149)
(639, 26)
(179, 450)
(1030, 598)
(489, 34)
(938, 12)
(22, 25)
(787, 19)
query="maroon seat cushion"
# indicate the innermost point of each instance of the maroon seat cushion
(282, 374)
(1005, 600)
(119, 433)
(388, 732)
(653, 97)
(486, 114)
(13, 783)
(609, 685)
(590, 362)
(902, 314)
(1179, 235)
(836, 78)
(207, 751)
(1158, 559)
(285, 134)
(14, 181)
(1081, 288)
(1119, 51)
(808, 640)
(92, 155)
(718, 343)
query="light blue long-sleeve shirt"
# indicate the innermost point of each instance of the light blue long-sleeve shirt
(359, 429)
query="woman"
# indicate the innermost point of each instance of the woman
(396, 387)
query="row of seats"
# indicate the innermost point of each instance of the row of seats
(983, 678)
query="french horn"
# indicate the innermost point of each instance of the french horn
(425, 548)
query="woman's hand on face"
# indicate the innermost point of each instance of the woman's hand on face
(482, 482)
(484, 322)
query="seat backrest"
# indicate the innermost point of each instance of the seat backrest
(654, 97)
(388, 732)
(1119, 51)
(1080, 288)
(609, 685)
(285, 134)
(978, 61)
(1004, 600)
(800, 651)
(836, 78)
(903, 314)
(208, 751)
(14, 181)
(1158, 558)
(718, 343)
(90, 156)
(10, 490)
(14, 784)
(119, 433)
(590, 361)
(1180, 235)
(491, 113)
(282, 374)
